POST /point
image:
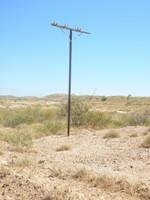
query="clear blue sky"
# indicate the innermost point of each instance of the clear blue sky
(113, 60)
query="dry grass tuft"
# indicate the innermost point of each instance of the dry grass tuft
(146, 142)
(3, 172)
(94, 179)
(134, 135)
(22, 163)
(58, 193)
(113, 184)
(81, 174)
(146, 133)
(56, 172)
(111, 134)
(142, 191)
(19, 139)
(1, 153)
(64, 147)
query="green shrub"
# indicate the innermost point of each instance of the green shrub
(97, 119)
(120, 120)
(50, 114)
(103, 98)
(52, 127)
(139, 118)
(79, 110)
(18, 139)
(13, 118)
(131, 119)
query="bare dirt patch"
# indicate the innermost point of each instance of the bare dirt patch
(93, 168)
(16, 187)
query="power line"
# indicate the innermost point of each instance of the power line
(71, 30)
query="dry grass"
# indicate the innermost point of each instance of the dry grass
(22, 125)
(3, 172)
(93, 179)
(40, 121)
(21, 137)
(146, 132)
(64, 147)
(111, 134)
(18, 138)
(22, 163)
(113, 184)
(134, 135)
(81, 174)
(60, 192)
(146, 142)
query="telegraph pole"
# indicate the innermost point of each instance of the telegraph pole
(71, 30)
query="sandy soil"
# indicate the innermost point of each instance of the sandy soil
(48, 173)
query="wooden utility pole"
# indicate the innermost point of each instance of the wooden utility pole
(71, 30)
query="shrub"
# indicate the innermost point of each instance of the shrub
(103, 98)
(52, 127)
(119, 120)
(13, 118)
(97, 119)
(147, 123)
(50, 114)
(131, 119)
(19, 139)
(128, 98)
(139, 118)
(79, 110)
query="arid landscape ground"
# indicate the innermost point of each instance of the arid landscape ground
(106, 157)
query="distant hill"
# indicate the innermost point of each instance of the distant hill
(64, 97)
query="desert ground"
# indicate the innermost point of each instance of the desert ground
(106, 157)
